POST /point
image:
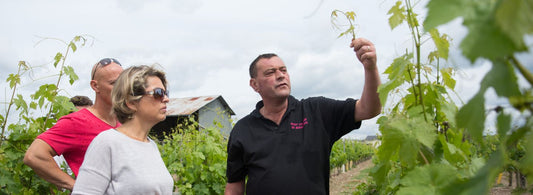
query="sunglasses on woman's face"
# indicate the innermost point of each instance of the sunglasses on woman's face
(158, 93)
(104, 62)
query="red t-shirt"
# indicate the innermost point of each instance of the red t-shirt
(72, 134)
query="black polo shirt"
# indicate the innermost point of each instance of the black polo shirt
(293, 157)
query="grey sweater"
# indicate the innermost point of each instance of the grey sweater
(117, 164)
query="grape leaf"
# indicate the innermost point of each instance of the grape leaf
(504, 124)
(515, 18)
(490, 35)
(396, 72)
(428, 179)
(444, 11)
(526, 164)
(397, 16)
(502, 78)
(441, 42)
(472, 116)
(404, 135)
(447, 77)
(486, 40)
(481, 182)
(13, 80)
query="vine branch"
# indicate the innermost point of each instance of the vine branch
(523, 70)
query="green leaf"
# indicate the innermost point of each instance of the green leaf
(385, 89)
(73, 46)
(486, 37)
(57, 58)
(434, 55)
(33, 105)
(484, 178)
(350, 15)
(447, 112)
(404, 136)
(397, 16)
(396, 74)
(414, 20)
(502, 78)
(20, 103)
(504, 124)
(515, 18)
(398, 67)
(13, 80)
(486, 40)
(444, 11)
(428, 179)
(452, 153)
(380, 171)
(472, 116)
(447, 77)
(69, 71)
(441, 42)
(526, 164)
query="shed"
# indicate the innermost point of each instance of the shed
(206, 110)
(372, 140)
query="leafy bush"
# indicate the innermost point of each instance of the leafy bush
(15, 177)
(196, 158)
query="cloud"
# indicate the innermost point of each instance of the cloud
(205, 47)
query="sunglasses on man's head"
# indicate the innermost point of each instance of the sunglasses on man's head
(158, 93)
(104, 62)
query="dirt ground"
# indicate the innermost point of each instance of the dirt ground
(503, 187)
(339, 184)
(343, 183)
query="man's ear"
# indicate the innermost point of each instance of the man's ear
(253, 84)
(94, 85)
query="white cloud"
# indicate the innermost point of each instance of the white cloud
(206, 46)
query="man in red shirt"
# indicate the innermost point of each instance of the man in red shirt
(73, 133)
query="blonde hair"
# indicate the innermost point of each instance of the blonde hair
(132, 81)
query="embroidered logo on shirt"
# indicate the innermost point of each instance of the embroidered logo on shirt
(299, 125)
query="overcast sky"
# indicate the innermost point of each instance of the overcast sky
(206, 46)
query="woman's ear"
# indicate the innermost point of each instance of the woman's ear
(132, 105)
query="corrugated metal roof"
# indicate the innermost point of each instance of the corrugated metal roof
(189, 105)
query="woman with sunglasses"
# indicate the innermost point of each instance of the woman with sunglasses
(124, 160)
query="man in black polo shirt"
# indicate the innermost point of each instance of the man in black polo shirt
(283, 146)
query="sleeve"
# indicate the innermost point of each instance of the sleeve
(95, 172)
(60, 136)
(235, 169)
(338, 117)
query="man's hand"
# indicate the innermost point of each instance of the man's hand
(366, 52)
(368, 105)
(40, 157)
(236, 188)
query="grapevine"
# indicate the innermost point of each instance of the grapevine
(429, 145)
(350, 16)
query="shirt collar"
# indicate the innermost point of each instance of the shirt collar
(290, 107)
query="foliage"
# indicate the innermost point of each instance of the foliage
(197, 158)
(15, 177)
(346, 150)
(429, 145)
(496, 33)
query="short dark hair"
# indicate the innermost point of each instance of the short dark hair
(253, 66)
(81, 100)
